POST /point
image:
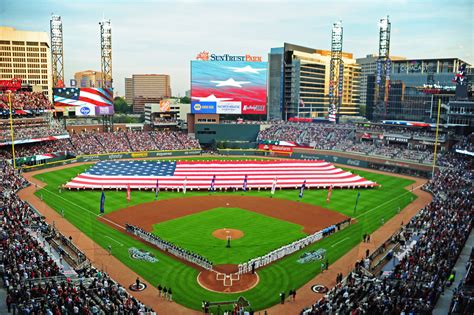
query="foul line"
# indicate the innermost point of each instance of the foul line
(340, 241)
(388, 201)
(114, 240)
(75, 204)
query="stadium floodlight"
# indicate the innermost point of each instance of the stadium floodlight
(106, 53)
(336, 71)
(57, 51)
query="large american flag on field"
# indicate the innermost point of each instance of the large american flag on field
(82, 97)
(200, 174)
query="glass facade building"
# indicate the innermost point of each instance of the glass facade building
(414, 89)
(299, 83)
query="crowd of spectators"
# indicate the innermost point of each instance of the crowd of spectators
(169, 247)
(440, 231)
(141, 141)
(113, 141)
(31, 132)
(61, 146)
(466, 143)
(86, 143)
(34, 280)
(98, 143)
(342, 137)
(31, 101)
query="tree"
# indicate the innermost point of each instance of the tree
(185, 100)
(120, 106)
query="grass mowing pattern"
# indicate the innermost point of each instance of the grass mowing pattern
(82, 207)
(262, 234)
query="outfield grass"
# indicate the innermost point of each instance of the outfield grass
(262, 234)
(81, 209)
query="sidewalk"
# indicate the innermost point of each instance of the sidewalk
(442, 307)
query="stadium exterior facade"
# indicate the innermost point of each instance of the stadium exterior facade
(299, 83)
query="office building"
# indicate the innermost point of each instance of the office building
(88, 79)
(147, 88)
(26, 55)
(129, 91)
(368, 66)
(414, 89)
(299, 83)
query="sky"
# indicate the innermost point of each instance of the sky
(163, 36)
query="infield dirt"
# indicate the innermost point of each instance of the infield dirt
(311, 218)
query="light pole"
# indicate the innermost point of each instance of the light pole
(11, 129)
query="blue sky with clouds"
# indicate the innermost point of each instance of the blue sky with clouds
(163, 36)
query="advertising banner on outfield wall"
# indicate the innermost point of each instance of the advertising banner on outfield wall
(229, 108)
(276, 148)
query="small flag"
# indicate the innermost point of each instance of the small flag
(357, 200)
(128, 192)
(274, 184)
(157, 189)
(244, 187)
(184, 185)
(102, 203)
(328, 198)
(213, 181)
(302, 189)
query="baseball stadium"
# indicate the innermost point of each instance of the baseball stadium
(212, 207)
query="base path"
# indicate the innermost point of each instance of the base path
(312, 218)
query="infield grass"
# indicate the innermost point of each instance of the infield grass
(262, 234)
(82, 207)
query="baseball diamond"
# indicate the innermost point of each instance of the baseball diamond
(171, 218)
(310, 180)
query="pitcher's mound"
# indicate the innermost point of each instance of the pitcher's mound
(224, 279)
(223, 233)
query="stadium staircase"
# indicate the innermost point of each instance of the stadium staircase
(100, 143)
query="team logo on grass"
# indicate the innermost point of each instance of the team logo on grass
(319, 288)
(140, 254)
(312, 256)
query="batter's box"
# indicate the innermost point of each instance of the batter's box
(227, 280)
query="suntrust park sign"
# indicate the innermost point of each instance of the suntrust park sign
(206, 56)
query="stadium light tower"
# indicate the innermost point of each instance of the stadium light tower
(384, 67)
(336, 71)
(106, 53)
(57, 52)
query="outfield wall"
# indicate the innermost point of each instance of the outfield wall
(114, 156)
